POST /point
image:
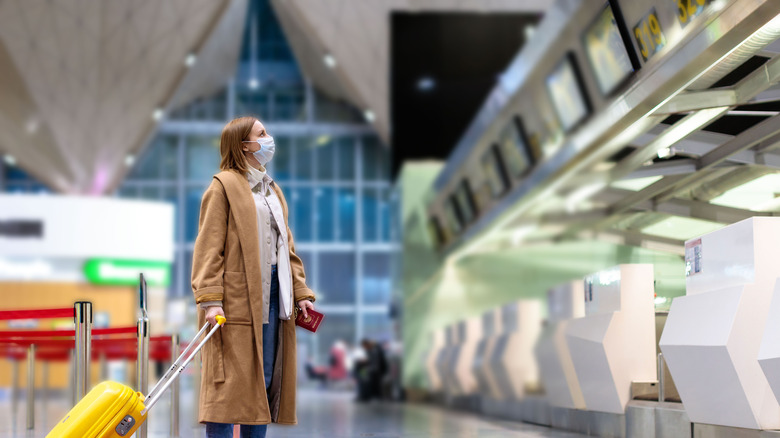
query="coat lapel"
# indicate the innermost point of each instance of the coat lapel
(242, 210)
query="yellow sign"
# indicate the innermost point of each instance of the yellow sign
(687, 10)
(649, 36)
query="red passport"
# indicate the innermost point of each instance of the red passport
(311, 323)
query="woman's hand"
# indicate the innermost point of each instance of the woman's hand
(212, 313)
(305, 305)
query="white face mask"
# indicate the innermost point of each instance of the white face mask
(266, 151)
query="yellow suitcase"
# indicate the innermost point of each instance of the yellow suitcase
(112, 409)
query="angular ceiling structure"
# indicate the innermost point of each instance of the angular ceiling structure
(84, 84)
(343, 46)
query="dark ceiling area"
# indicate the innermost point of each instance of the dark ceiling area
(442, 67)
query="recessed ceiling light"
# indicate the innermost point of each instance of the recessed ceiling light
(129, 160)
(369, 115)
(32, 125)
(329, 60)
(426, 83)
(529, 31)
(190, 60)
(9, 160)
(158, 114)
(254, 84)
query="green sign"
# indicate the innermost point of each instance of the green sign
(117, 272)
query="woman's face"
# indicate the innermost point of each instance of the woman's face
(258, 131)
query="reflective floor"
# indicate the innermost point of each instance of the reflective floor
(320, 414)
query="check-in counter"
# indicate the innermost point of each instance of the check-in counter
(469, 334)
(713, 335)
(769, 354)
(562, 389)
(512, 362)
(491, 327)
(434, 377)
(614, 343)
(444, 359)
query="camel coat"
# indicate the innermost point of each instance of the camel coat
(226, 267)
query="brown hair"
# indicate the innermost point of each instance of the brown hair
(231, 146)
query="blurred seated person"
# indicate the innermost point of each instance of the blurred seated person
(336, 369)
(370, 371)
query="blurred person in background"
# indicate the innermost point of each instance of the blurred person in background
(244, 267)
(370, 371)
(336, 371)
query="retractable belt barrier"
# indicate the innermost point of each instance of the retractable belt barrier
(89, 344)
(7, 315)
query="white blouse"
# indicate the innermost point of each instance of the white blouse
(268, 208)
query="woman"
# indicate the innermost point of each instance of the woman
(244, 267)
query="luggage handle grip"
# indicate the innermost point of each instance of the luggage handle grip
(176, 368)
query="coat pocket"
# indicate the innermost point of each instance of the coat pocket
(236, 298)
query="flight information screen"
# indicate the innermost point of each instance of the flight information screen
(606, 50)
(465, 200)
(566, 93)
(515, 148)
(495, 173)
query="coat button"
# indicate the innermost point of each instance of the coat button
(268, 240)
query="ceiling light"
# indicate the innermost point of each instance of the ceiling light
(189, 61)
(32, 125)
(665, 153)
(254, 84)
(369, 115)
(426, 83)
(158, 114)
(329, 60)
(529, 31)
(129, 160)
(9, 160)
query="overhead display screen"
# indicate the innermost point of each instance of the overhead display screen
(515, 148)
(566, 93)
(606, 50)
(452, 215)
(495, 172)
(465, 200)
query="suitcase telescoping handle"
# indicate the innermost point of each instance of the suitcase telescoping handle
(179, 364)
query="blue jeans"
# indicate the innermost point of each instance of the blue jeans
(224, 430)
(271, 330)
(270, 338)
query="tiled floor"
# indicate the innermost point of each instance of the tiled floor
(320, 414)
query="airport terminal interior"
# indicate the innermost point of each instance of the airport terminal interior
(518, 218)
